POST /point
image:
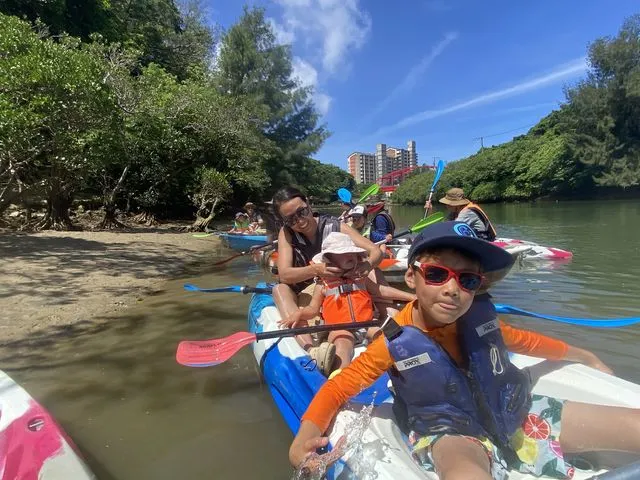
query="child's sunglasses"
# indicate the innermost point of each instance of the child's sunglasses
(439, 275)
(292, 219)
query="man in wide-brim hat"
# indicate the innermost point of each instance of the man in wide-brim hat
(464, 210)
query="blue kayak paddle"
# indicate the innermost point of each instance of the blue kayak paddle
(583, 322)
(234, 289)
(344, 195)
(500, 308)
(436, 179)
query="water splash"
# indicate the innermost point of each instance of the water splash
(362, 456)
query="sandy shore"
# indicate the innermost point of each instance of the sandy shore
(50, 280)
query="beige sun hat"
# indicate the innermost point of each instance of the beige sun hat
(337, 242)
(454, 197)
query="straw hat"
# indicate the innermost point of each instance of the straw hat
(337, 242)
(249, 204)
(455, 198)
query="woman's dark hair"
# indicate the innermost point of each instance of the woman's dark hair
(284, 195)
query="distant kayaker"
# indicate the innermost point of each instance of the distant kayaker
(467, 411)
(358, 220)
(344, 299)
(299, 240)
(255, 219)
(464, 210)
(382, 224)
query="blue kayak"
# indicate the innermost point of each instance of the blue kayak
(381, 449)
(242, 243)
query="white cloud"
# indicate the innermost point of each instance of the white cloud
(561, 72)
(307, 75)
(333, 28)
(416, 72)
(284, 36)
(322, 102)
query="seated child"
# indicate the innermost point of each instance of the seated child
(467, 410)
(341, 300)
(241, 223)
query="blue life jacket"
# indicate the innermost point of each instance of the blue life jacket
(381, 225)
(434, 395)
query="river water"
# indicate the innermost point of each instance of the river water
(135, 414)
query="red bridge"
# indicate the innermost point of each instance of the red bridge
(389, 181)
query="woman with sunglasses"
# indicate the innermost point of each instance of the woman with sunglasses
(466, 410)
(300, 239)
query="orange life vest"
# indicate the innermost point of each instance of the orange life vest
(346, 301)
(491, 233)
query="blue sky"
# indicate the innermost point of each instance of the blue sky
(441, 72)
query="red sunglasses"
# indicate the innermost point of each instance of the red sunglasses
(439, 275)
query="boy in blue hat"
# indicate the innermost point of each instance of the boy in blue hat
(468, 412)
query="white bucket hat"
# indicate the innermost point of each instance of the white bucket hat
(337, 242)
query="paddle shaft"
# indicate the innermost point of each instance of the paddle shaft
(436, 179)
(251, 250)
(416, 228)
(292, 332)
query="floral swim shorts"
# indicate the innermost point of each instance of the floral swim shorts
(536, 444)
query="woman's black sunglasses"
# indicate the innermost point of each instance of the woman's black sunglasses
(292, 219)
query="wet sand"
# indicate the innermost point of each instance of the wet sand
(52, 281)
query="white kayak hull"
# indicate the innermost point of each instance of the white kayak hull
(293, 381)
(32, 444)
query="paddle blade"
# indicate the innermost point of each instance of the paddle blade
(209, 353)
(194, 288)
(344, 195)
(582, 322)
(202, 235)
(387, 263)
(436, 179)
(372, 190)
(425, 222)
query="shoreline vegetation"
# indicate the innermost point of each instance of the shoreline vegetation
(144, 108)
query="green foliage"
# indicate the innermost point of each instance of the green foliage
(604, 110)
(157, 29)
(136, 111)
(212, 186)
(321, 181)
(254, 67)
(52, 106)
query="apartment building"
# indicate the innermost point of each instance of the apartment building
(362, 167)
(368, 167)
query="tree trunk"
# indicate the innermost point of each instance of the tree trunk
(202, 222)
(57, 215)
(146, 218)
(109, 221)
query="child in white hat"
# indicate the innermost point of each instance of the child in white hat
(341, 300)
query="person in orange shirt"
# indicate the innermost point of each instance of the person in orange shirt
(465, 408)
(342, 300)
